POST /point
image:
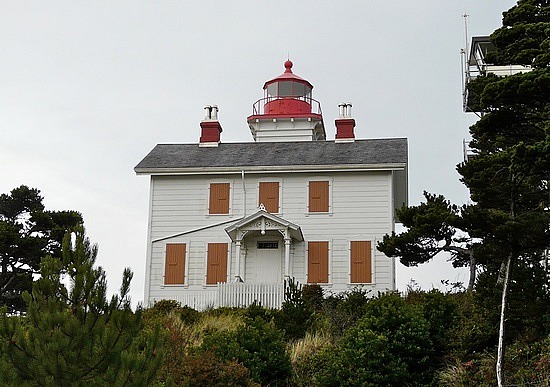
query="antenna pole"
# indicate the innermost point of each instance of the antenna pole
(465, 16)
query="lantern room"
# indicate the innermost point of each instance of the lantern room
(287, 112)
(287, 94)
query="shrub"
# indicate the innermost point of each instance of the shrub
(306, 359)
(181, 337)
(313, 296)
(258, 345)
(205, 369)
(389, 345)
(343, 310)
(255, 310)
(473, 332)
(156, 313)
(479, 373)
(441, 312)
(295, 316)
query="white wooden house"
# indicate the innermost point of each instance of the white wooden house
(228, 222)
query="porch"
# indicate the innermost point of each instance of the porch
(234, 294)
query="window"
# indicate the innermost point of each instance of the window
(285, 89)
(268, 245)
(216, 263)
(219, 198)
(317, 262)
(318, 196)
(269, 196)
(174, 269)
(360, 255)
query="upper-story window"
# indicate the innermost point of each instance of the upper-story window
(269, 196)
(219, 198)
(318, 200)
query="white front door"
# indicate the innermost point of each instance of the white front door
(269, 260)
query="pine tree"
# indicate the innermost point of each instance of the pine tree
(76, 336)
(28, 232)
(433, 227)
(509, 174)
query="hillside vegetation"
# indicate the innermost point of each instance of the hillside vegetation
(421, 338)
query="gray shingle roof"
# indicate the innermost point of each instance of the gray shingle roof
(274, 154)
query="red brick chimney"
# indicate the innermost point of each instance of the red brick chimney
(210, 127)
(345, 124)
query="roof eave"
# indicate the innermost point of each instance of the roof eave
(274, 169)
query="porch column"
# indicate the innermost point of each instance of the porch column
(238, 241)
(238, 261)
(287, 255)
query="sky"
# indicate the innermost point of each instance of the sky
(87, 89)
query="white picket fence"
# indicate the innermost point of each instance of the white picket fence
(234, 294)
(242, 294)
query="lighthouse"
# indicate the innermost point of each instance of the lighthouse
(229, 222)
(287, 112)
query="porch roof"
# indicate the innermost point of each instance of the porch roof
(264, 221)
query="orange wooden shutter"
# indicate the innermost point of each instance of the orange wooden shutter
(317, 268)
(361, 262)
(269, 196)
(219, 198)
(174, 269)
(216, 265)
(318, 196)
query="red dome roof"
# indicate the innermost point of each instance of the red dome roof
(288, 75)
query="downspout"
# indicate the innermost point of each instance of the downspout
(238, 241)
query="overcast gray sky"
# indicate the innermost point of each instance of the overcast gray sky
(88, 88)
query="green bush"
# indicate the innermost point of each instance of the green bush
(205, 369)
(389, 345)
(313, 296)
(323, 367)
(255, 310)
(295, 316)
(343, 310)
(441, 312)
(474, 332)
(303, 356)
(258, 345)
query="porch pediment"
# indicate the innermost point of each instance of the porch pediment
(263, 221)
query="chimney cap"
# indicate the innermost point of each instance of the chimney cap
(211, 112)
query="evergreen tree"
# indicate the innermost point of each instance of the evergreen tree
(432, 227)
(28, 232)
(508, 176)
(76, 336)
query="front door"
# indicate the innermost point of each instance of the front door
(268, 261)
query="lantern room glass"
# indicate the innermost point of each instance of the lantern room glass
(288, 89)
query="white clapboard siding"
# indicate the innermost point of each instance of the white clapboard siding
(361, 208)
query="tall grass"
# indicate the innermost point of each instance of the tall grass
(194, 332)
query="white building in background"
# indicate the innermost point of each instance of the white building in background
(229, 222)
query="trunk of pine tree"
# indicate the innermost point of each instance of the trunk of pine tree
(473, 269)
(502, 326)
(504, 302)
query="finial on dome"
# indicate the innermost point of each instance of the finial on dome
(288, 66)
